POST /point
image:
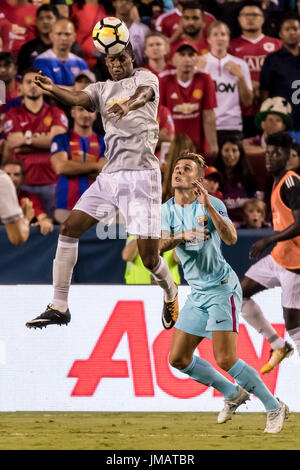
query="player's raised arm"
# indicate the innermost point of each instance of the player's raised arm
(225, 229)
(70, 98)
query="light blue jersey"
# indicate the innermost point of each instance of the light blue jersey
(203, 264)
(215, 299)
(61, 73)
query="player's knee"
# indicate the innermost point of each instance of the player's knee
(67, 229)
(225, 362)
(150, 261)
(179, 362)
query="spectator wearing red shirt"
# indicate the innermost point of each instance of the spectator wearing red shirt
(21, 14)
(212, 182)
(92, 11)
(168, 22)
(29, 130)
(191, 97)
(190, 29)
(15, 170)
(253, 47)
(8, 71)
(166, 133)
(156, 52)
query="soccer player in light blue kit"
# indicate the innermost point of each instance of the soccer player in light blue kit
(195, 223)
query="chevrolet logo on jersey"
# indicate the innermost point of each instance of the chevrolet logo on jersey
(186, 108)
(117, 101)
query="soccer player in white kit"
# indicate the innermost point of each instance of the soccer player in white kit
(129, 182)
(11, 214)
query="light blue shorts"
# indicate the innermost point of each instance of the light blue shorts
(216, 310)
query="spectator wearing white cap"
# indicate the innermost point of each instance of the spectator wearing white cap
(82, 80)
(275, 115)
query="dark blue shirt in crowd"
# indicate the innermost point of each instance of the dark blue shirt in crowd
(279, 71)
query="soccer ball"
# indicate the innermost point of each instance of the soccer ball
(110, 35)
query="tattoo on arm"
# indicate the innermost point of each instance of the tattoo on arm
(226, 230)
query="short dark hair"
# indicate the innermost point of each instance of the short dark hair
(280, 139)
(191, 5)
(295, 146)
(46, 7)
(29, 70)
(249, 3)
(290, 16)
(7, 57)
(128, 49)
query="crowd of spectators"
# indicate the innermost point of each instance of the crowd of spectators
(228, 74)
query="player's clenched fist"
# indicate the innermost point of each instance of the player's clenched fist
(119, 110)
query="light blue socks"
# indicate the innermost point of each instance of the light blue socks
(244, 375)
(248, 378)
(203, 372)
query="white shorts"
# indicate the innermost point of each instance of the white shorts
(270, 274)
(134, 194)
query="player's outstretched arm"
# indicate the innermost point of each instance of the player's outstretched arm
(70, 98)
(292, 231)
(168, 242)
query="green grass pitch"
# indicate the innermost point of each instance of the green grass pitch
(143, 431)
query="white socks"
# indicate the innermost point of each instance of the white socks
(253, 314)
(295, 336)
(163, 277)
(63, 265)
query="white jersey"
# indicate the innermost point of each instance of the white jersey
(131, 141)
(228, 113)
(10, 210)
